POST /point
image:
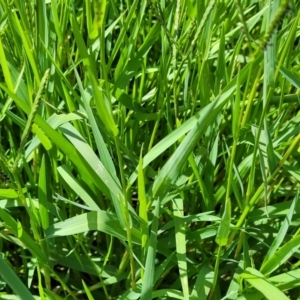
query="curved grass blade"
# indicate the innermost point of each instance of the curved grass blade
(281, 256)
(22, 235)
(74, 184)
(101, 221)
(64, 145)
(259, 282)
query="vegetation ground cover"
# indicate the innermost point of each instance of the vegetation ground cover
(149, 149)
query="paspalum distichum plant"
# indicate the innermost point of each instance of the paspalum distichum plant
(149, 149)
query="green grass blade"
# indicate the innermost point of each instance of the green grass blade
(281, 233)
(259, 282)
(5, 68)
(180, 237)
(147, 285)
(293, 79)
(143, 210)
(224, 228)
(87, 291)
(184, 128)
(101, 221)
(22, 235)
(11, 278)
(287, 281)
(281, 256)
(74, 184)
(65, 146)
(171, 169)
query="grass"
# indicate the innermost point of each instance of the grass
(149, 149)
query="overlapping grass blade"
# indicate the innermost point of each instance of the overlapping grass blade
(171, 169)
(68, 177)
(259, 282)
(281, 233)
(101, 221)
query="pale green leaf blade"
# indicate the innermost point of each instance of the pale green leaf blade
(281, 256)
(259, 282)
(101, 221)
(74, 184)
(180, 237)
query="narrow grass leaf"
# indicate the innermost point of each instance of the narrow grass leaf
(102, 149)
(87, 291)
(203, 283)
(62, 143)
(8, 193)
(281, 256)
(143, 210)
(80, 42)
(42, 137)
(102, 104)
(282, 232)
(14, 226)
(5, 68)
(53, 296)
(130, 70)
(180, 237)
(169, 293)
(224, 228)
(15, 283)
(287, 281)
(114, 188)
(44, 192)
(99, 16)
(233, 289)
(147, 285)
(54, 121)
(182, 130)
(101, 221)
(259, 282)
(171, 169)
(294, 80)
(206, 196)
(74, 184)
(27, 47)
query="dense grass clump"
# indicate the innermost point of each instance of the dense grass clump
(149, 149)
